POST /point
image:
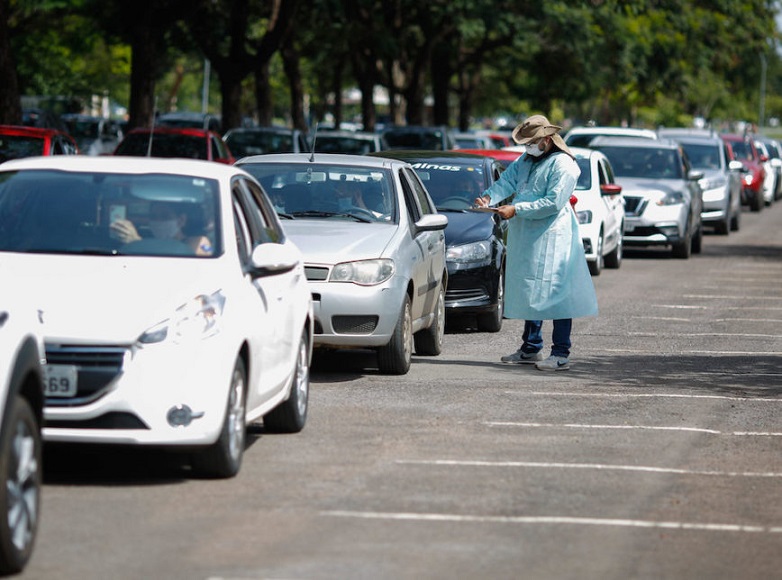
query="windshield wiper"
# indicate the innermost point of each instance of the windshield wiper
(328, 214)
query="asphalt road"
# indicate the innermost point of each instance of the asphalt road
(656, 456)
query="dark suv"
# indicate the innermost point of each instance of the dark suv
(417, 137)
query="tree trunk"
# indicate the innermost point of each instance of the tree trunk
(142, 78)
(10, 103)
(290, 63)
(441, 78)
(231, 93)
(263, 94)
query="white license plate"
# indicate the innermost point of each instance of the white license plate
(60, 380)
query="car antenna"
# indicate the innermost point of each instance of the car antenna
(314, 138)
(152, 130)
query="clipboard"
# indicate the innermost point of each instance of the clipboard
(487, 209)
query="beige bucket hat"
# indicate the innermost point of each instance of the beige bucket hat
(538, 126)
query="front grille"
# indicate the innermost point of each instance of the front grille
(354, 324)
(635, 205)
(459, 295)
(113, 420)
(97, 367)
(316, 274)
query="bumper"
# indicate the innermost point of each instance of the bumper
(659, 225)
(153, 381)
(472, 290)
(348, 315)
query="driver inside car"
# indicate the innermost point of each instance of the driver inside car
(166, 222)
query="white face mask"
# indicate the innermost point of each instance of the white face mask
(533, 150)
(164, 229)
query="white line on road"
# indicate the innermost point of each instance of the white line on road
(595, 466)
(710, 334)
(726, 297)
(634, 428)
(424, 517)
(686, 352)
(700, 307)
(644, 396)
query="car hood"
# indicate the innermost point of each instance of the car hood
(113, 299)
(640, 186)
(329, 241)
(468, 226)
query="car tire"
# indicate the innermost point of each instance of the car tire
(20, 490)
(429, 341)
(492, 321)
(722, 227)
(756, 201)
(223, 458)
(683, 249)
(735, 222)
(697, 240)
(613, 259)
(394, 358)
(596, 265)
(291, 415)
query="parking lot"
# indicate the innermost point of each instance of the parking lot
(656, 456)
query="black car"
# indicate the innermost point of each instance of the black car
(407, 137)
(475, 240)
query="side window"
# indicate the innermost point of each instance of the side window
(411, 203)
(56, 146)
(243, 240)
(216, 150)
(420, 192)
(601, 171)
(268, 225)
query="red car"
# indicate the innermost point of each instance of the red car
(17, 141)
(753, 177)
(175, 142)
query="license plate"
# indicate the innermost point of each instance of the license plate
(60, 380)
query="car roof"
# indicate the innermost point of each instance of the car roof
(120, 164)
(609, 130)
(633, 142)
(25, 131)
(265, 129)
(585, 152)
(327, 158)
(192, 131)
(429, 155)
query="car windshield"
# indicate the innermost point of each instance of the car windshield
(328, 191)
(585, 178)
(244, 144)
(346, 144)
(164, 145)
(44, 211)
(742, 150)
(703, 156)
(15, 147)
(651, 162)
(403, 139)
(451, 186)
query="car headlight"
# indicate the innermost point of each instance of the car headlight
(584, 217)
(748, 179)
(671, 198)
(198, 318)
(474, 252)
(363, 272)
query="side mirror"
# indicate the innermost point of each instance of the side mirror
(695, 175)
(736, 166)
(610, 189)
(431, 222)
(269, 259)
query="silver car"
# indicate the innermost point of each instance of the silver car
(721, 181)
(663, 196)
(374, 249)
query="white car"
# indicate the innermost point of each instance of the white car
(583, 136)
(600, 209)
(374, 247)
(21, 410)
(159, 330)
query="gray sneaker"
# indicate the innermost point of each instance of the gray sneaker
(553, 363)
(523, 358)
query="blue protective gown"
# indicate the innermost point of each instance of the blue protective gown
(546, 277)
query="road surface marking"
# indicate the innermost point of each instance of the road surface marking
(644, 395)
(595, 466)
(627, 523)
(634, 427)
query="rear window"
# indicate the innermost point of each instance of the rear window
(164, 145)
(649, 162)
(16, 147)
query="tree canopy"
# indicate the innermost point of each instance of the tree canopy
(451, 62)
